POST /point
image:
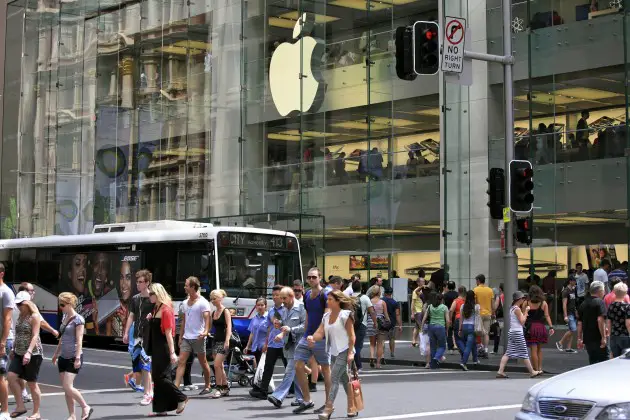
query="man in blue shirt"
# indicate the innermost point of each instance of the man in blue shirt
(393, 310)
(315, 304)
(273, 349)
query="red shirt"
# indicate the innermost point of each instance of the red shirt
(610, 298)
(168, 320)
(458, 307)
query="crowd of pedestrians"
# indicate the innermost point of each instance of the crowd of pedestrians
(318, 334)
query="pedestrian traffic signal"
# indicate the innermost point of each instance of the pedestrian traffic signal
(404, 53)
(426, 47)
(524, 230)
(521, 186)
(496, 192)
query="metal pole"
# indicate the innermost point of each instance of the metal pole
(510, 282)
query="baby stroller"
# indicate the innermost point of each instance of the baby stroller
(238, 367)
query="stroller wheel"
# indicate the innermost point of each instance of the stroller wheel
(251, 381)
(243, 380)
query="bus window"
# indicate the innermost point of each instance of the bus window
(189, 264)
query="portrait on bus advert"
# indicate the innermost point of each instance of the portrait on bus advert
(104, 283)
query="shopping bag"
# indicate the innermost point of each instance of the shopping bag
(260, 370)
(424, 343)
(355, 388)
(479, 331)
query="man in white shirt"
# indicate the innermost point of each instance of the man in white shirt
(349, 292)
(601, 274)
(193, 332)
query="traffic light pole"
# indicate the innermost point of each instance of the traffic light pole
(510, 282)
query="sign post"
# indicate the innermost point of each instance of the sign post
(454, 44)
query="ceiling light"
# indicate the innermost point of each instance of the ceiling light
(433, 112)
(277, 136)
(360, 4)
(281, 23)
(318, 18)
(587, 93)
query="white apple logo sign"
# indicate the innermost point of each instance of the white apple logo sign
(293, 83)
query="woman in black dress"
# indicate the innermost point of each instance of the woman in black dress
(166, 396)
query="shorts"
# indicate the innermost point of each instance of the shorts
(303, 352)
(391, 334)
(140, 360)
(30, 372)
(4, 360)
(67, 365)
(219, 348)
(572, 323)
(486, 320)
(195, 346)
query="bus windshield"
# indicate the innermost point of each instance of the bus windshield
(251, 273)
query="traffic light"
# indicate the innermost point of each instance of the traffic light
(426, 47)
(521, 186)
(524, 230)
(404, 53)
(496, 192)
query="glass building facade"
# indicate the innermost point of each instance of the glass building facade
(289, 114)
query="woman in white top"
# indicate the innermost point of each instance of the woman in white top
(337, 328)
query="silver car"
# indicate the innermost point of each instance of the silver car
(596, 392)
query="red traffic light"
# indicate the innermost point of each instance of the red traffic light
(429, 35)
(526, 172)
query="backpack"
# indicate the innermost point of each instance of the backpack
(499, 310)
(358, 313)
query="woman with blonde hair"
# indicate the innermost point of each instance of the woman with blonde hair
(375, 332)
(337, 328)
(69, 353)
(161, 347)
(221, 319)
(27, 355)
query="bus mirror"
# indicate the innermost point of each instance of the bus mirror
(205, 262)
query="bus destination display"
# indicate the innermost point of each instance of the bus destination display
(252, 240)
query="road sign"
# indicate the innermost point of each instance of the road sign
(454, 41)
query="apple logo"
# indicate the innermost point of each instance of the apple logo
(296, 84)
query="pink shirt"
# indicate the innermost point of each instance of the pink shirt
(610, 298)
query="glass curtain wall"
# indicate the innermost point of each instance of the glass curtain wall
(571, 103)
(166, 109)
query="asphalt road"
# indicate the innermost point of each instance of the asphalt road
(394, 392)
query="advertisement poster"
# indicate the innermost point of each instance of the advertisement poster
(358, 262)
(104, 283)
(597, 253)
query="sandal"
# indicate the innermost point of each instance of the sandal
(38, 417)
(415, 345)
(502, 376)
(354, 414)
(536, 374)
(158, 414)
(216, 394)
(89, 414)
(16, 414)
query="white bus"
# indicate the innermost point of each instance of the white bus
(100, 267)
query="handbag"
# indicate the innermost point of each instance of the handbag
(383, 323)
(355, 385)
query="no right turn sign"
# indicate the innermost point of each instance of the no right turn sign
(454, 40)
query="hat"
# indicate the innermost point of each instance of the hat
(389, 290)
(517, 295)
(21, 297)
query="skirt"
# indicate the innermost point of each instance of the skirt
(537, 334)
(372, 330)
(516, 346)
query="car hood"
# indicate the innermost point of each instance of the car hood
(604, 383)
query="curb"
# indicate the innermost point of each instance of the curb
(511, 367)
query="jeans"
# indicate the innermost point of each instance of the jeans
(338, 374)
(437, 337)
(468, 342)
(618, 344)
(596, 354)
(358, 344)
(449, 338)
(288, 379)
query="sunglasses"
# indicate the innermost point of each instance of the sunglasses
(151, 294)
(62, 305)
(312, 277)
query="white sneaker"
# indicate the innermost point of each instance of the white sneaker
(146, 400)
(5, 416)
(27, 397)
(559, 346)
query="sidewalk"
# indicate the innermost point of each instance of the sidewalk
(554, 361)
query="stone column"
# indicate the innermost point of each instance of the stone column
(126, 68)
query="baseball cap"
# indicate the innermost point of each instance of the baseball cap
(22, 296)
(389, 290)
